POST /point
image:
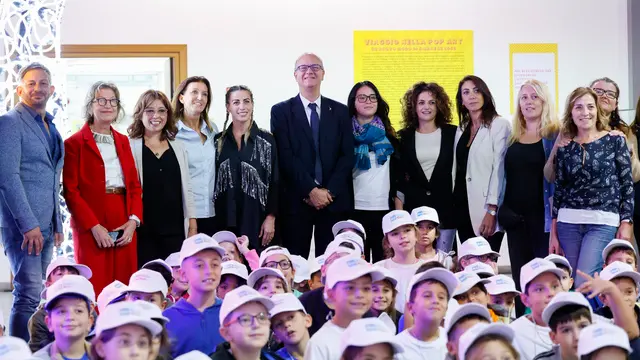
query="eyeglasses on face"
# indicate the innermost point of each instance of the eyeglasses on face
(313, 67)
(151, 112)
(103, 102)
(608, 93)
(363, 98)
(246, 320)
(282, 264)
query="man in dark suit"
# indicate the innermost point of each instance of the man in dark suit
(315, 149)
(30, 167)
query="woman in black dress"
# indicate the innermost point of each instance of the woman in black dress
(246, 198)
(163, 168)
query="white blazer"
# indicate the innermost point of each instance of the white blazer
(181, 154)
(485, 169)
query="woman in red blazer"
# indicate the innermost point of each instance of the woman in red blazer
(102, 191)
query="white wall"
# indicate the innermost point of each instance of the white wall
(255, 42)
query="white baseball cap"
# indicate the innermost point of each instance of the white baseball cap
(302, 269)
(225, 236)
(394, 219)
(14, 348)
(274, 250)
(481, 269)
(347, 224)
(475, 246)
(83, 270)
(619, 269)
(70, 285)
(158, 262)
(351, 237)
(151, 311)
(173, 260)
(193, 355)
(560, 260)
(285, 303)
(367, 332)
(444, 276)
(335, 247)
(316, 264)
(148, 282)
(232, 267)
(123, 313)
(600, 335)
(536, 267)
(111, 293)
(501, 284)
(261, 272)
(350, 268)
(388, 275)
(467, 280)
(476, 331)
(563, 299)
(196, 243)
(615, 244)
(465, 310)
(425, 213)
(240, 296)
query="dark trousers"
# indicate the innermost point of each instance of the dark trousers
(297, 229)
(371, 220)
(153, 246)
(465, 232)
(207, 226)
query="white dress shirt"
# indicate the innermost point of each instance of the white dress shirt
(114, 178)
(307, 109)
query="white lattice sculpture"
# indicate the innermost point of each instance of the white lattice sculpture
(30, 31)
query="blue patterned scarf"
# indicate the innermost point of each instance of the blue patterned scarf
(370, 137)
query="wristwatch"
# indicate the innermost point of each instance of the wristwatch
(491, 212)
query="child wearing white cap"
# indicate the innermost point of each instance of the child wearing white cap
(539, 283)
(471, 289)
(502, 292)
(160, 266)
(400, 236)
(477, 249)
(369, 339)
(348, 290)
(124, 331)
(244, 324)
(290, 324)
(603, 341)
(563, 264)
(194, 322)
(384, 297)
(315, 276)
(620, 250)
(626, 280)
(112, 293)
(233, 275)
(178, 288)
(160, 344)
(428, 223)
(237, 248)
(69, 309)
(429, 294)
(277, 257)
(488, 341)
(303, 274)
(268, 281)
(461, 320)
(147, 285)
(39, 334)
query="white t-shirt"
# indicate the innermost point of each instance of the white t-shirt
(417, 349)
(371, 187)
(403, 273)
(325, 343)
(531, 339)
(428, 150)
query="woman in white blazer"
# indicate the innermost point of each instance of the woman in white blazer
(481, 144)
(163, 170)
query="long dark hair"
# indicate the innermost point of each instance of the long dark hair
(489, 111)
(178, 107)
(615, 121)
(227, 95)
(383, 107)
(410, 100)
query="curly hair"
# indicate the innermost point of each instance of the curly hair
(568, 126)
(136, 129)
(410, 100)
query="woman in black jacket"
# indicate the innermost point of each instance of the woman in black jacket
(427, 147)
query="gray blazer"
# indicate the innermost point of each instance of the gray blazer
(187, 195)
(29, 180)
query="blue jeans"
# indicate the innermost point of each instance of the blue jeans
(583, 244)
(28, 275)
(446, 239)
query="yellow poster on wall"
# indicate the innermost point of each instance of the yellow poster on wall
(533, 61)
(395, 60)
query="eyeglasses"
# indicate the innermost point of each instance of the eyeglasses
(485, 258)
(363, 98)
(313, 67)
(246, 320)
(151, 113)
(608, 93)
(282, 264)
(103, 102)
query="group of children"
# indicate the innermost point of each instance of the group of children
(205, 303)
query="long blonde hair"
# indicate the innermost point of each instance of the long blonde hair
(568, 126)
(549, 123)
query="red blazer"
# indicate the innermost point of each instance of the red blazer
(83, 179)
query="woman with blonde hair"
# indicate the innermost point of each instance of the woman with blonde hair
(163, 167)
(593, 199)
(526, 212)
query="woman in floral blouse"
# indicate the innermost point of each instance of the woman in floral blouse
(593, 200)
